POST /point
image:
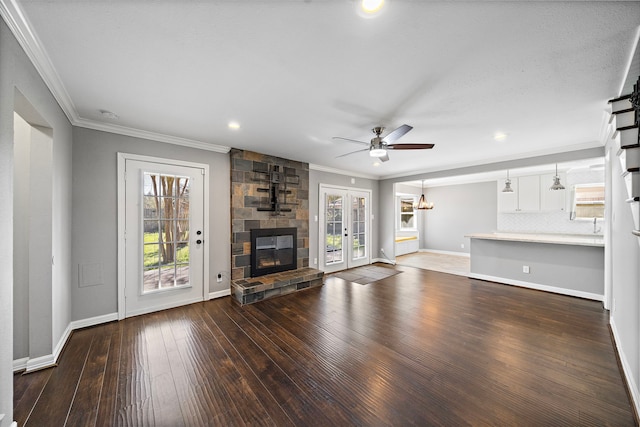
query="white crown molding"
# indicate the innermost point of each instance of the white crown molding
(153, 136)
(28, 39)
(341, 172)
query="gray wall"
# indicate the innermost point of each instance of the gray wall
(564, 267)
(17, 72)
(316, 178)
(95, 212)
(459, 210)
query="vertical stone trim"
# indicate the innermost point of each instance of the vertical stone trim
(245, 199)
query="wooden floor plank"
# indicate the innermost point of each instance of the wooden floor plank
(161, 379)
(106, 415)
(84, 409)
(57, 397)
(202, 357)
(134, 406)
(417, 348)
(30, 387)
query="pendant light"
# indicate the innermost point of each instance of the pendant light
(556, 182)
(422, 203)
(507, 184)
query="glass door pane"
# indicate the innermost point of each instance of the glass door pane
(165, 231)
(334, 226)
(358, 227)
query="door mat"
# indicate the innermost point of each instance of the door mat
(365, 275)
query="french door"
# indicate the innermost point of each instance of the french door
(345, 228)
(163, 237)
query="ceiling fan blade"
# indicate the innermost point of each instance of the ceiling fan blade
(384, 158)
(353, 152)
(396, 134)
(351, 140)
(410, 146)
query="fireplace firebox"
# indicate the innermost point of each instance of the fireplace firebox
(273, 250)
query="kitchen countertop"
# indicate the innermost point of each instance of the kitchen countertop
(559, 239)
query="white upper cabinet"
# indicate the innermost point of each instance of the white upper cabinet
(532, 194)
(529, 193)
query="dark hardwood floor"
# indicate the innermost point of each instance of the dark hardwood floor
(418, 348)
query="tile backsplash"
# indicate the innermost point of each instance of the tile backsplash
(546, 222)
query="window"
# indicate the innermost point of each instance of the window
(166, 231)
(407, 213)
(588, 201)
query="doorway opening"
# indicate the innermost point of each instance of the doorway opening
(32, 235)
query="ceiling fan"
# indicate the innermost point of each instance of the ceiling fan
(378, 146)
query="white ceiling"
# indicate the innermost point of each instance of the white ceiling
(296, 73)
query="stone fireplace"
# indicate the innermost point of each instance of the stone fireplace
(268, 192)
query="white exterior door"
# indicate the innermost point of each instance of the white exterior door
(345, 228)
(164, 236)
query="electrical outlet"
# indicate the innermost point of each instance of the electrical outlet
(461, 245)
(219, 278)
(315, 261)
(525, 269)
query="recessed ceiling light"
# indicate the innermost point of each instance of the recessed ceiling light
(371, 6)
(234, 125)
(376, 164)
(108, 114)
(500, 136)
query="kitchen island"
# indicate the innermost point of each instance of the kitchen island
(560, 263)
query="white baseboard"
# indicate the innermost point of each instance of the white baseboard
(20, 364)
(41, 362)
(92, 321)
(164, 306)
(61, 342)
(433, 251)
(34, 364)
(220, 294)
(626, 368)
(537, 286)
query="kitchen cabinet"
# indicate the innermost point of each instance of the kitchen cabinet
(531, 194)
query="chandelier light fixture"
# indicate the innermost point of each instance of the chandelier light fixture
(556, 182)
(422, 203)
(507, 184)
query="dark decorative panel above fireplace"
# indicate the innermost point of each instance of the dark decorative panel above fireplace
(273, 250)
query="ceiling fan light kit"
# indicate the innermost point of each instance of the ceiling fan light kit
(378, 146)
(377, 151)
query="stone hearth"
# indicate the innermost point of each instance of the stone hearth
(248, 291)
